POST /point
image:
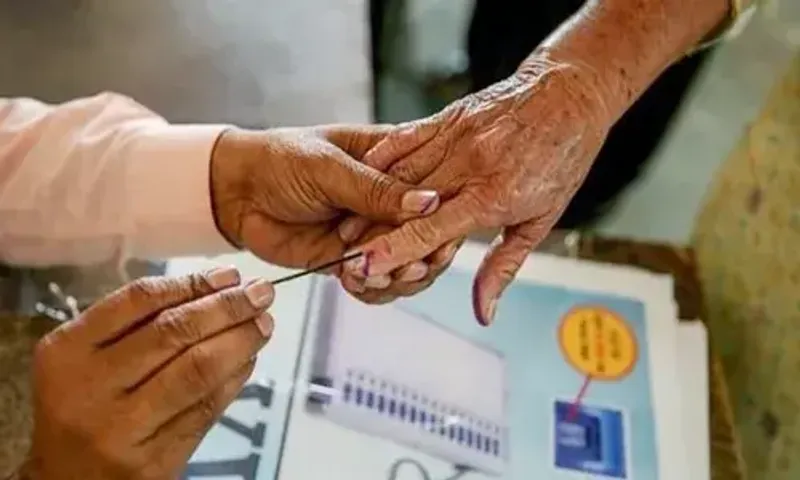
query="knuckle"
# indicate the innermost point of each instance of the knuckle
(207, 410)
(421, 232)
(527, 238)
(490, 208)
(506, 271)
(176, 327)
(508, 265)
(483, 151)
(497, 208)
(145, 288)
(197, 285)
(234, 305)
(378, 190)
(201, 368)
(269, 323)
(388, 150)
(406, 171)
(375, 231)
(488, 152)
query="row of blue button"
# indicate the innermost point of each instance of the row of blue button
(379, 386)
(432, 422)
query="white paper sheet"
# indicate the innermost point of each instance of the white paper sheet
(693, 365)
(292, 435)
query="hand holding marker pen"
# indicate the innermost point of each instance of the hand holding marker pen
(62, 307)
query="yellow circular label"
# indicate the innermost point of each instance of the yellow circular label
(598, 343)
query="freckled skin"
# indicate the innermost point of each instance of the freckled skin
(513, 155)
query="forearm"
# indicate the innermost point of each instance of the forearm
(101, 177)
(627, 44)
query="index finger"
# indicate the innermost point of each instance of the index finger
(416, 239)
(126, 309)
(177, 329)
(406, 139)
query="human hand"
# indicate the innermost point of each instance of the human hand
(129, 389)
(282, 193)
(405, 281)
(511, 157)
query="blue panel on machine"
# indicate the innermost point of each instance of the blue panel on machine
(590, 439)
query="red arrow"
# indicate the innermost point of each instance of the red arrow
(576, 404)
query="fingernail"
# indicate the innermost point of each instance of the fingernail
(420, 201)
(484, 316)
(415, 272)
(259, 293)
(451, 251)
(347, 230)
(359, 266)
(222, 277)
(365, 267)
(379, 282)
(490, 309)
(265, 324)
(354, 286)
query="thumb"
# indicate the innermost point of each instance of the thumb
(501, 265)
(367, 192)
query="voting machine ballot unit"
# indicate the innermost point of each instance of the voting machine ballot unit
(389, 372)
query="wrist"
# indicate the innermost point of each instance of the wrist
(229, 184)
(165, 190)
(623, 45)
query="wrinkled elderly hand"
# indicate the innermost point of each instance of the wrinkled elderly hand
(511, 156)
(129, 389)
(281, 193)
